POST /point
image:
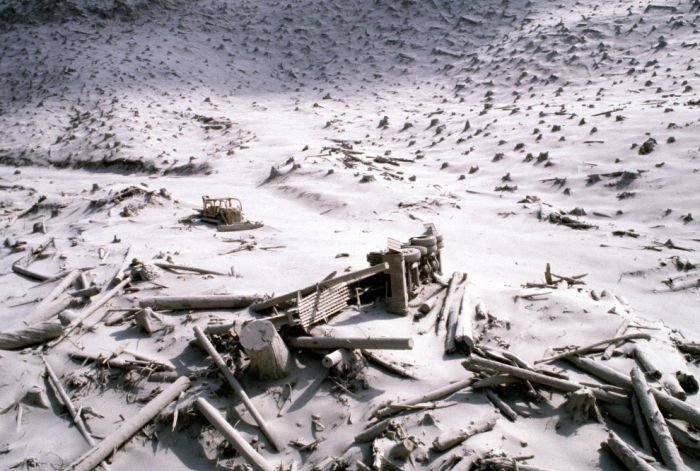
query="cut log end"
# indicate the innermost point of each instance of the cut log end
(269, 356)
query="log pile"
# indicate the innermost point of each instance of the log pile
(254, 346)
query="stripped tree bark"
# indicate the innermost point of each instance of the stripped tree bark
(501, 405)
(201, 271)
(387, 365)
(640, 425)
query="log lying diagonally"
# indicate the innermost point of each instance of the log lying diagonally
(480, 364)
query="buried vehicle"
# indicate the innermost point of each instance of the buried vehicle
(226, 213)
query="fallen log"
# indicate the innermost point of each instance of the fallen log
(480, 364)
(30, 336)
(625, 454)
(181, 303)
(201, 271)
(456, 279)
(501, 405)
(428, 293)
(452, 438)
(430, 396)
(646, 362)
(88, 292)
(65, 283)
(671, 384)
(160, 364)
(89, 310)
(387, 365)
(375, 430)
(45, 311)
(340, 356)
(352, 343)
(685, 440)
(26, 272)
(65, 400)
(453, 318)
(464, 329)
(589, 348)
(655, 420)
(640, 425)
(233, 436)
(667, 403)
(237, 388)
(108, 361)
(692, 348)
(116, 439)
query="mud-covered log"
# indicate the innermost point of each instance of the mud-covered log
(481, 365)
(30, 336)
(430, 396)
(452, 438)
(647, 362)
(657, 424)
(352, 343)
(45, 311)
(625, 454)
(181, 303)
(667, 403)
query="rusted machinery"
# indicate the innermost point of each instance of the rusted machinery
(395, 273)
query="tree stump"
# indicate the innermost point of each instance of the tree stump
(269, 357)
